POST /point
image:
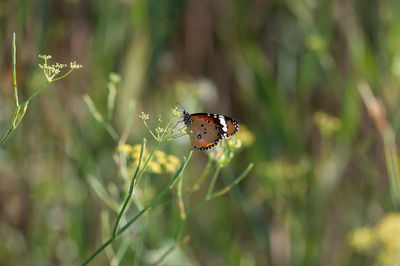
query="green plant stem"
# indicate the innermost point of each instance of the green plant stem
(203, 175)
(377, 112)
(22, 104)
(151, 132)
(114, 135)
(63, 76)
(180, 199)
(14, 63)
(166, 253)
(146, 163)
(178, 242)
(8, 134)
(222, 191)
(392, 165)
(142, 232)
(213, 180)
(140, 213)
(136, 178)
(174, 137)
(18, 116)
(159, 141)
(122, 249)
(96, 114)
(130, 193)
(36, 92)
(234, 183)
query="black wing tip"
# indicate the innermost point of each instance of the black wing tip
(236, 124)
(208, 147)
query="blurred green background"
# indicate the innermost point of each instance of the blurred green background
(287, 70)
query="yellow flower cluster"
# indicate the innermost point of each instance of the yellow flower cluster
(160, 162)
(361, 239)
(327, 123)
(386, 235)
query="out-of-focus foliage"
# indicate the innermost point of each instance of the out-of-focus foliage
(385, 236)
(288, 70)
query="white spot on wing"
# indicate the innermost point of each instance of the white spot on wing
(223, 123)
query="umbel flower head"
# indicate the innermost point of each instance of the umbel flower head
(51, 71)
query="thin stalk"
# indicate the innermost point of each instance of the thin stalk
(197, 206)
(100, 249)
(128, 125)
(222, 191)
(234, 183)
(166, 253)
(112, 92)
(122, 249)
(36, 92)
(146, 163)
(178, 242)
(181, 205)
(213, 180)
(142, 232)
(174, 137)
(203, 175)
(136, 178)
(63, 76)
(392, 165)
(140, 213)
(151, 132)
(6, 136)
(111, 131)
(130, 193)
(376, 111)
(14, 63)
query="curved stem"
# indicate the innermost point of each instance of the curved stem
(6, 136)
(111, 131)
(130, 193)
(203, 175)
(222, 191)
(146, 163)
(213, 180)
(137, 216)
(36, 92)
(63, 76)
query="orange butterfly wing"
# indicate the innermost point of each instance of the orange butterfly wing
(206, 130)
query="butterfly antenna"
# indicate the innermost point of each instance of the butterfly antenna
(176, 124)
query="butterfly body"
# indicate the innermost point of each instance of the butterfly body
(208, 129)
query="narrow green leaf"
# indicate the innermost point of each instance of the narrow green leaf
(92, 108)
(15, 117)
(21, 114)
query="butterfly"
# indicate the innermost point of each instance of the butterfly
(206, 129)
